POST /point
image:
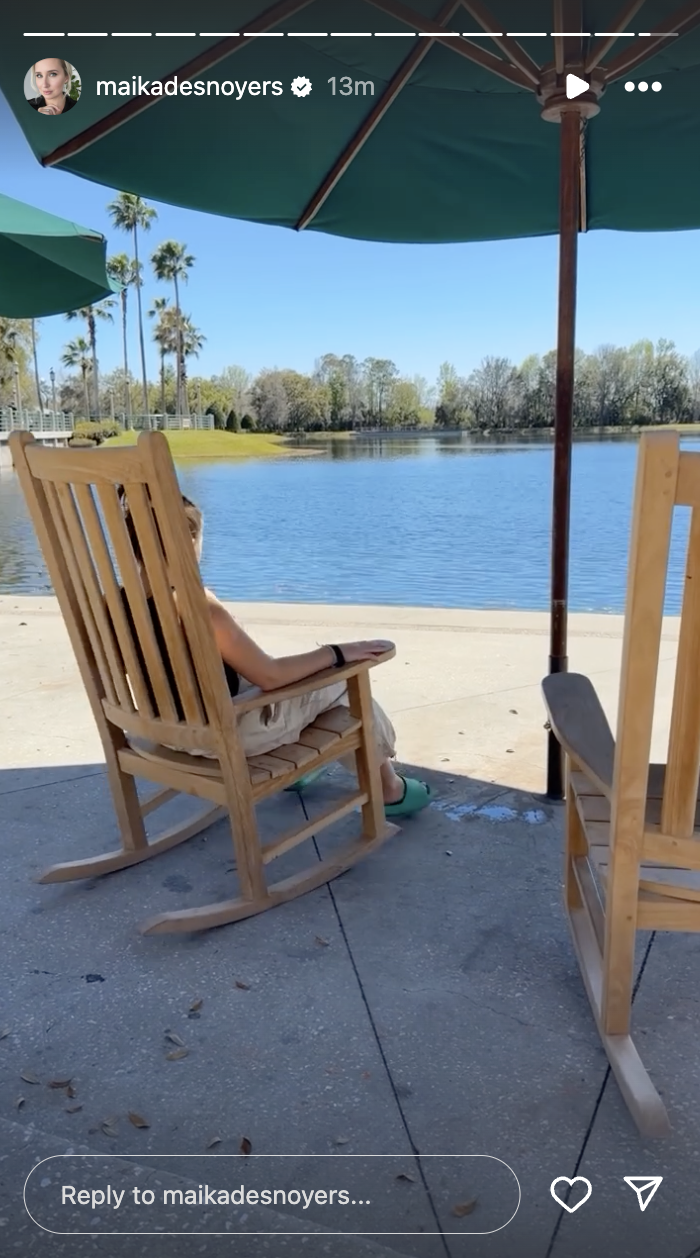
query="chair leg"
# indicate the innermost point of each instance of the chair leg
(124, 794)
(244, 829)
(620, 940)
(374, 822)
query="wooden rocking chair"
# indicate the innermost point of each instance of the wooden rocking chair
(74, 504)
(633, 828)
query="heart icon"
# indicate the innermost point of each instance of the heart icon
(577, 1180)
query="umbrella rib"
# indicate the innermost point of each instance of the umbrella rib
(619, 25)
(363, 132)
(559, 59)
(680, 22)
(514, 51)
(463, 46)
(205, 61)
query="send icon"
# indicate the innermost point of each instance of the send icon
(645, 1187)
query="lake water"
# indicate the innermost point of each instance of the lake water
(427, 522)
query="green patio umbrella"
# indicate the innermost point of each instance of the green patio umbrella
(425, 121)
(47, 264)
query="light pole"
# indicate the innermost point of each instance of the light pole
(52, 375)
(18, 396)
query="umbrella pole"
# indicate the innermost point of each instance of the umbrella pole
(569, 218)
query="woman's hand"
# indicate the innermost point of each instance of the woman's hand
(48, 109)
(354, 652)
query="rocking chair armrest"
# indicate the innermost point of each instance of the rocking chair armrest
(256, 698)
(581, 726)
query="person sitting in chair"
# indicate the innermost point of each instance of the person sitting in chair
(247, 665)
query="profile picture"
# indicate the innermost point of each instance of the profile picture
(52, 86)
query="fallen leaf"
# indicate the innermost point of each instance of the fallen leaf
(341, 1140)
(447, 852)
(324, 943)
(29, 1077)
(411, 1179)
(177, 1054)
(214, 1140)
(174, 1038)
(73, 1109)
(464, 1208)
(70, 1091)
(4, 1034)
(509, 751)
(108, 1130)
(246, 1146)
(137, 1120)
(244, 987)
(59, 1083)
(513, 711)
(19, 1102)
(196, 1006)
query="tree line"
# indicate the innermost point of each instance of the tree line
(645, 383)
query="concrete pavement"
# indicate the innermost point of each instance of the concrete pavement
(426, 1003)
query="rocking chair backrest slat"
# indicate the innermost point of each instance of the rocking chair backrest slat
(144, 627)
(683, 764)
(652, 519)
(112, 514)
(141, 631)
(152, 553)
(100, 646)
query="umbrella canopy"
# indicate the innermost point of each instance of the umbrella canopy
(47, 264)
(426, 138)
(424, 122)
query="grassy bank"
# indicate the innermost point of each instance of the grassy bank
(214, 445)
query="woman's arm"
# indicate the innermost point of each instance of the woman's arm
(239, 650)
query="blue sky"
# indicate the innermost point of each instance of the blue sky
(268, 297)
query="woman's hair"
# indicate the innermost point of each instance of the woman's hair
(193, 515)
(67, 69)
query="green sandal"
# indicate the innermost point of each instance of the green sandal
(416, 795)
(307, 779)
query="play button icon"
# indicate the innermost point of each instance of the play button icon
(575, 86)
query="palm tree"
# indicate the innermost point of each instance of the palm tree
(191, 341)
(172, 262)
(129, 212)
(78, 353)
(91, 314)
(36, 371)
(126, 272)
(161, 335)
(15, 344)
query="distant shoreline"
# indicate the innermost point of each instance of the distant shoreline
(612, 430)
